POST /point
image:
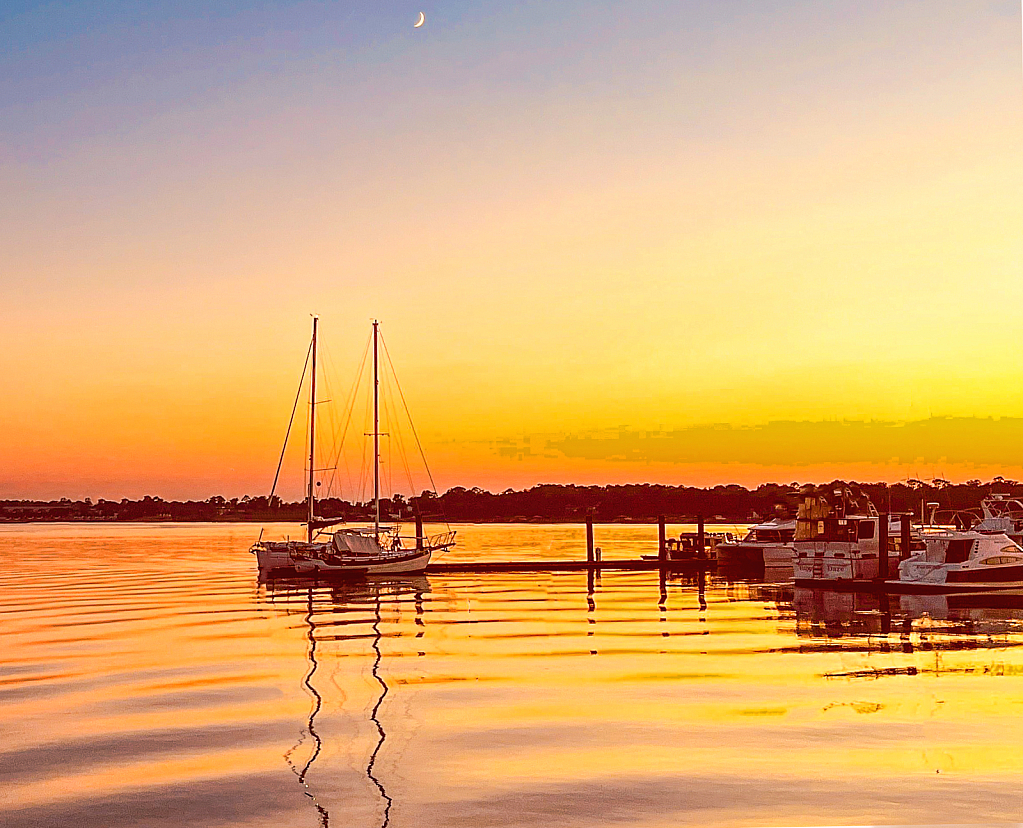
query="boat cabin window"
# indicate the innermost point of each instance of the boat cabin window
(774, 535)
(866, 530)
(958, 550)
(829, 529)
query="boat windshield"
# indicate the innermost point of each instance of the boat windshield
(958, 550)
(771, 535)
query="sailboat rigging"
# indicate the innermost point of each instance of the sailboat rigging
(349, 550)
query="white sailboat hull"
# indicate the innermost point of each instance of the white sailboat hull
(376, 565)
(267, 559)
(282, 554)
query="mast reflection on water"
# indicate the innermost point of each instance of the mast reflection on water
(339, 597)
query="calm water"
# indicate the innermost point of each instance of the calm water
(148, 679)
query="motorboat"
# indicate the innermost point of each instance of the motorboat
(837, 537)
(687, 545)
(767, 544)
(349, 551)
(693, 546)
(973, 559)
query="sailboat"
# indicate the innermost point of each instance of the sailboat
(350, 551)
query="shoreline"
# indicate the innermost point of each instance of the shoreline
(651, 521)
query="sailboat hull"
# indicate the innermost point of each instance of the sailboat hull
(267, 559)
(282, 554)
(366, 565)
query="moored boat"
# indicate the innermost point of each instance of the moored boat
(767, 544)
(837, 537)
(972, 559)
(350, 551)
(377, 551)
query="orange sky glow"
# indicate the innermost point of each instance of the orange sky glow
(570, 222)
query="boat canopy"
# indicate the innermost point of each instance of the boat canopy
(356, 543)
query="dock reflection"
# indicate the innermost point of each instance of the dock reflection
(327, 608)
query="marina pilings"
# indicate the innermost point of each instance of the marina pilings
(590, 554)
(906, 525)
(701, 539)
(662, 539)
(882, 547)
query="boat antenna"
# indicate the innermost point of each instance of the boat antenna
(312, 437)
(376, 433)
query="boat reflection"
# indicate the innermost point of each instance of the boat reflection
(311, 722)
(906, 623)
(375, 715)
(734, 571)
(835, 614)
(327, 607)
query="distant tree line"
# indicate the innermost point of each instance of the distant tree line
(546, 503)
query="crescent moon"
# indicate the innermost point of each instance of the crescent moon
(420, 21)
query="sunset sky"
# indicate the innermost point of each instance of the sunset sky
(581, 224)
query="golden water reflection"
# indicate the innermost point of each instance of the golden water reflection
(148, 678)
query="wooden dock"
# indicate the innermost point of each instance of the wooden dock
(632, 564)
(594, 560)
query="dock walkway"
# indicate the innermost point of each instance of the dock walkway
(633, 564)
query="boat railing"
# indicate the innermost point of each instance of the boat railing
(431, 541)
(443, 539)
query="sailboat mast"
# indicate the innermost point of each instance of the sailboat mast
(376, 435)
(312, 440)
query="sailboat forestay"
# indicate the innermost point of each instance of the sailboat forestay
(350, 551)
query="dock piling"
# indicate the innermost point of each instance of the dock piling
(882, 547)
(905, 540)
(662, 539)
(589, 536)
(700, 538)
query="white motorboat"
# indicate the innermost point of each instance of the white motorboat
(381, 549)
(837, 537)
(767, 544)
(964, 560)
